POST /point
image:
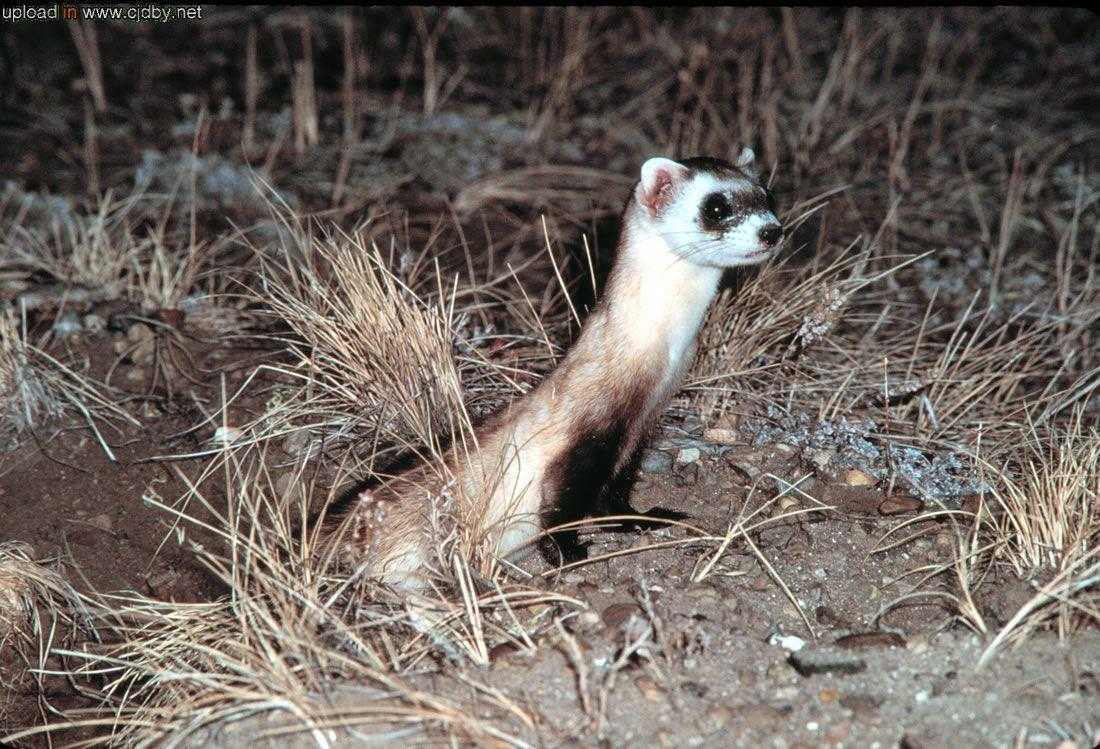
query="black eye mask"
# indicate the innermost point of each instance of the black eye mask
(721, 210)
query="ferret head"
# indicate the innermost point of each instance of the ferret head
(710, 212)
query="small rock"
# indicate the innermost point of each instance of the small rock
(649, 689)
(615, 615)
(784, 449)
(161, 583)
(899, 504)
(720, 436)
(716, 718)
(861, 705)
(790, 643)
(823, 660)
(868, 640)
(703, 594)
(828, 695)
(686, 474)
(838, 733)
(760, 716)
(101, 521)
(502, 651)
(227, 435)
(93, 323)
(688, 455)
(856, 477)
(666, 740)
(586, 621)
(656, 461)
(786, 503)
(66, 325)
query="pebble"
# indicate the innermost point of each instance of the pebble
(649, 689)
(161, 583)
(861, 705)
(790, 643)
(899, 504)
(786, 503)
(688, 455)
(838, 733)
(856, 477)
(227, 435)
(101, 521)
(617, 614)
(66, 325)
(656, 461)
(868, 640)
(720, 436)
(825, 660)
(716, 717)
(93, 323)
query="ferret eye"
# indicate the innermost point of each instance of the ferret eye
(716, 208)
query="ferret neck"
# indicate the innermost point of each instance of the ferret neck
(654, 298)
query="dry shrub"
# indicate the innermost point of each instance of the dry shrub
(39, 611)
(307, 650)
(1042, 521)
(372, 359)
(94, 251)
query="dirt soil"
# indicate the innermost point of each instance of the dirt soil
(733, 663)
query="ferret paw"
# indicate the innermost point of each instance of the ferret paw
(564, 547)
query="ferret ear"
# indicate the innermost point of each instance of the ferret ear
(661, 178)
(747, 160)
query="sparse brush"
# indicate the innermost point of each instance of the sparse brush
(39, 611)
(35, 387)
(1046, 509)
(1042, 519)
(371, 358)
(291, 640)
(94, 251)
(24, 396)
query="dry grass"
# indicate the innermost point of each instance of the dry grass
(35, 387)
(40, 612)
(370, 356)
(291, 638)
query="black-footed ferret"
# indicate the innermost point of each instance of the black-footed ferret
(570, 448)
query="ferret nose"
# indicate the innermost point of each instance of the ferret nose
(771, 234)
